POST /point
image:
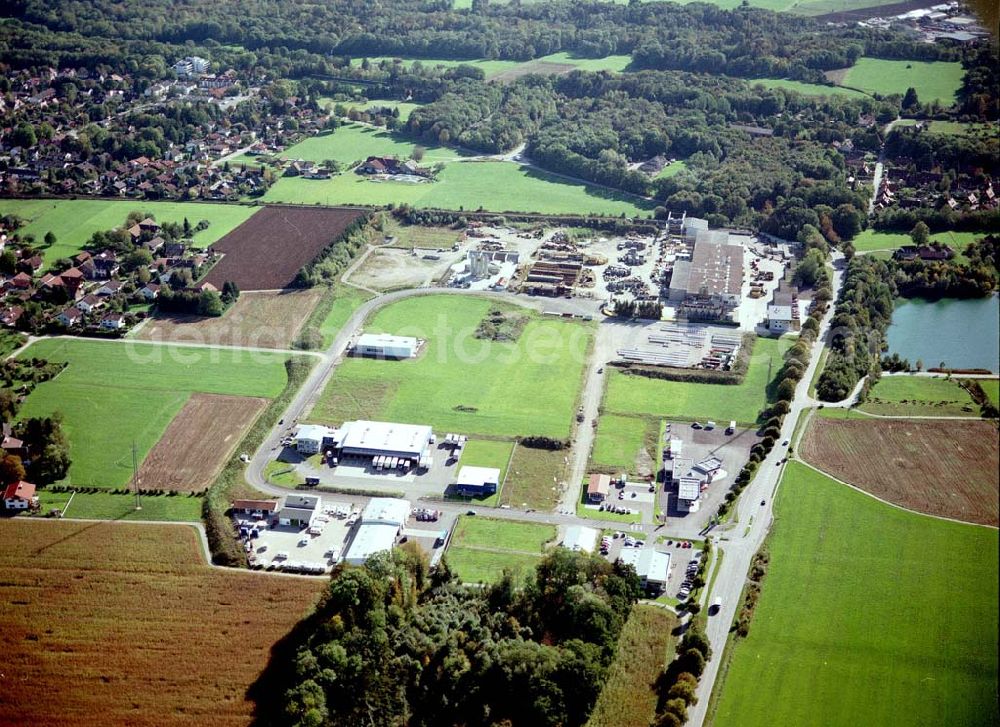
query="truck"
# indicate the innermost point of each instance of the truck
(731, 429)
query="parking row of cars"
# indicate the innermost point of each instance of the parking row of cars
(692, 570)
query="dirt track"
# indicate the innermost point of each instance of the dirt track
(198, 441)
(945, 468)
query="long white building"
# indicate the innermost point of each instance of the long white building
(381, 521)
(373, 439)
(382, 345)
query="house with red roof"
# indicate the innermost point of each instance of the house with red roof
(19, 496)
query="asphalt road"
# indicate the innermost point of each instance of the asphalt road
(740, 543)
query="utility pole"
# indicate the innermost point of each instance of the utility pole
(135, 477)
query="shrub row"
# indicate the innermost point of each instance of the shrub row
(987, 408)
(752, 594)
(678, 684)
(535, 442)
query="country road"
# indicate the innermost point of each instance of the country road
(741, 543)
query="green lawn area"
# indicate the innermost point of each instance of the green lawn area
(405, 107)
(356, 142)
(672, 170)
(487, 453)
(493, 185)
(489, 67)
(957, 128)
(992, 389)
(73, 221)
(868, 615)
(807, 89)
(421, 236)
(534, 477)
(112, 394)
(919, 396)
(481, 548)
(619, 439)
(346, 302)
(459, 383)
(640, 395)
(109, 506)
(616, 63)
(933, 80)
(870, 240)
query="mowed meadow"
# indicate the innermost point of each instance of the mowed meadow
(115, 623)
(73, 221)
(112, 394)
(868, 615)
(461, 383)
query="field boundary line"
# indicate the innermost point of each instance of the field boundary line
(505, 551)
(892, 504)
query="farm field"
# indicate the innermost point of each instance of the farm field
(807, 89)
(73, 221)
(112, 394)
(945, 468)
(645, 646)
(992, 389)
(419, 236)
(859, 622)
(919, 396)
(258, 319)
(482, 548)
(959, 128)
(493, 185)
(533, 480)
(501, 70)
(870, 240)
(620, 441)
(459, 383)
(117, 506)
(266, 253)
(355, 142)
(206, 446)
(405, 107)
(826, 7)
(125, 624)
(933, 80)
(640, 395)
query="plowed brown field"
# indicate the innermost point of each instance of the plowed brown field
(198, 442)
(267, 251)
(124, 624)
(947, 468)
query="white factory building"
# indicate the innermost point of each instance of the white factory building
(382, 345)
(311, 438)
(375, 439)
(651, 565)
(579, 537)
(381, 521)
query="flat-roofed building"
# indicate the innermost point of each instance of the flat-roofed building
(311, 438)
(381, 522)
(383, 345)
(651, 565)
(688, 494)
(299, 510)
(389, 439)
(716, 268)
(477, 481)
(581, 538)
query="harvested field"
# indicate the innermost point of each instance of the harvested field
(945, 468)
(266, 251)
(259, 319)
(199, 440)
(113, 623)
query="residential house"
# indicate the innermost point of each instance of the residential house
(151, 291)
(598, 488)
(70, 317)
(89, 303)
(21, 281)
(112, 287)
(254, 508)
(20, 496)
(113, 322)
(11, 315)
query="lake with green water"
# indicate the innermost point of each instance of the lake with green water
(962, 333)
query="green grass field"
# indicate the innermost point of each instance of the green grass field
(73, 221)
(112, 394)
(489, 67)
(533, 480)
(487, 453)
(672, 170)
(356, 142)
(405, 107)
(870, 240)
(953, 128)
(346, 302)
(992, 389)
(615, 64)
(495, 186)
(493, 68)
(868, 615)
(482, 548)
(933, 80)
(619, 440)
(460, 383)
(743, 402)
(807, 89)
(109, 506)
(919, 396)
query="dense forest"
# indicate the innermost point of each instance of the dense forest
(391, 644)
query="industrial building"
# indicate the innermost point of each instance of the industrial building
(477, 481)
(581, 538)
(709, 285)
(381, 522)
(312, 438)
(299, 510)
(382, 345)
(410, 442)
(783, 310)
(651, 565)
